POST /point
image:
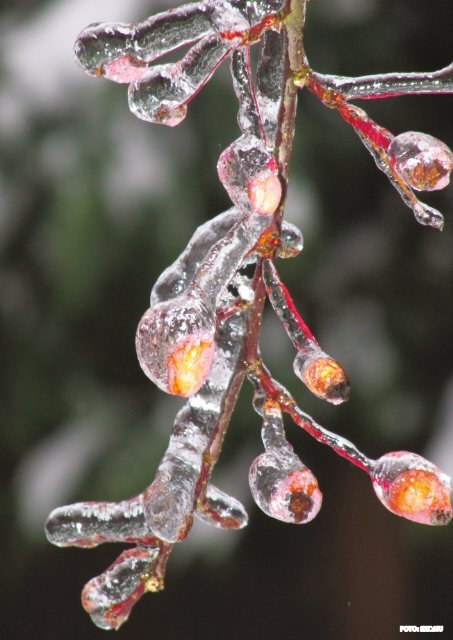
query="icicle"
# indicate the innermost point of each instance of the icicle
(423, 161)
(88, 524)
(412, 487)
(281, 485)
(163, 92)
(220, 510)
(109, 597)
(322, 375)
(249, 173)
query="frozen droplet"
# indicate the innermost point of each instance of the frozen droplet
(423, 161)
(291, 241)
(175, 344)
(412, 487)
(221, 510)
(284, 488)
(249, 173)
(323, 376)
(162, 93)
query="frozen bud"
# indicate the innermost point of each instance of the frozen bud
(162, 93)
(284, 488)
(412, 487)
(323, 376)
(175, 344)
(423, 161)
(100, 44)
(249, 173)
(158, 97)
(109, 597)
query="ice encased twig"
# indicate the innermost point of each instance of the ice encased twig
(161, 95)
(322, 375)
(169, 501)
(281, 485)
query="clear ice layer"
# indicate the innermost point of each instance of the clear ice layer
(161, 95)
(221, 510)
(169, 501)
(175, 334)
(109, 597)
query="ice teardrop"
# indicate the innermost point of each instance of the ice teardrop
(412, 487)
(249, 173)
(284, 488)
(175, 344)
(423, 161)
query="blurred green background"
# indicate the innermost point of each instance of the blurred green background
(94, 204)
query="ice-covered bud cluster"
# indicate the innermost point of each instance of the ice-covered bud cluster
(175, 344)
(422, 160)
(322, 375)
(281, 485)
(249, 173)
(412, 487)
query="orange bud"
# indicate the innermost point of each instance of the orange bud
(413, 488)
(188, 366)
(324, 377)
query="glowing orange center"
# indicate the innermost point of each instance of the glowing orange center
(323, 373)
(188, 366)
(264, 194)
(417, 494)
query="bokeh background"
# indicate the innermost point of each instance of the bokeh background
(93, 205)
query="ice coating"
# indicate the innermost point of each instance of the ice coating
(248, 116)
(100, 45)
(169, 501)
(88, 524)
(179, 275)
(161, 95)
(281, 485)
(109, 597)
(390, 84)
(175, 279)
(175, 343)
(220, 510)
(412, 487)
(423, 161)
(249, 173)
(269, 82)
(424, 214)
(225, 257)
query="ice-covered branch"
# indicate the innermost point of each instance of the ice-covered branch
(389, 85)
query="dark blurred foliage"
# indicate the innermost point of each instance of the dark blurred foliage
(94, 205)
